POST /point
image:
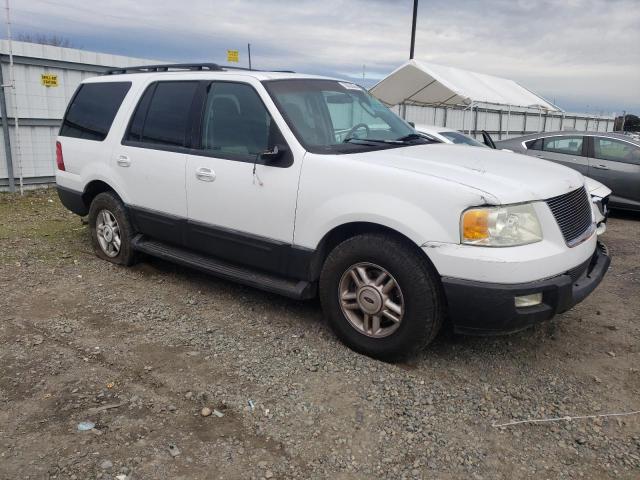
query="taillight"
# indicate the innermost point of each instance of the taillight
(59, 157)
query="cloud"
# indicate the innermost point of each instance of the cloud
(582, 52)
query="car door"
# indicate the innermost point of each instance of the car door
(151, 159)
(241, 204)
(616, 163)
(568, 150)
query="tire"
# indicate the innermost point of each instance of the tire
(418, 293)
(116, 225)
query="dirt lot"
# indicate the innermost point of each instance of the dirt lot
(140, 351)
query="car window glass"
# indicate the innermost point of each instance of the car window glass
(139, 116)
(236, 122)
(332, 116)
(570, 145)
(534, 144)
(167, 117)
(462, 139)
(93, 109)
(616, 150)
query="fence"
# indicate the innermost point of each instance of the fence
(503, 122)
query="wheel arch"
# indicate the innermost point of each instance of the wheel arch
(342, 232)
(94, 188)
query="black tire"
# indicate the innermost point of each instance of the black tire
(417, 279)
(110, 202)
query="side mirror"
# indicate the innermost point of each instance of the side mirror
(270, 156)
(413, 124)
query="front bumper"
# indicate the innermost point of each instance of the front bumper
(481, 308)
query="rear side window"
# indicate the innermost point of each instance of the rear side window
(92, 110)
(162, 116)
(534, 144)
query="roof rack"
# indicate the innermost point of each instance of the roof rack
(214, 67)
(197, 67)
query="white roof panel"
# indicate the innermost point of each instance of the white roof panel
(430, 84)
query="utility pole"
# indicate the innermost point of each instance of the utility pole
(12, 85)
(413, 29)
(249, 52)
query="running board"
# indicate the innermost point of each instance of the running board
(298, 289)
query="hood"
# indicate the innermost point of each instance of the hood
(507, 176)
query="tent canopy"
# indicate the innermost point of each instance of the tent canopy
(430, 84)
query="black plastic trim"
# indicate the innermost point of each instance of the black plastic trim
(480, 308)
(298, 289)
(234, 246)
(72, 200)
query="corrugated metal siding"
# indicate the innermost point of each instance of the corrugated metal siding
(40, 109)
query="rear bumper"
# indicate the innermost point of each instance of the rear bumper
(489, 308)
(72, 200)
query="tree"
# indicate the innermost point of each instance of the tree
(631, 123)
(44, 39)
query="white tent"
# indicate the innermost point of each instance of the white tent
(421, 83)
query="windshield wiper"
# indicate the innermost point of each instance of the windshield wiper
(371, 141)
(410, 137)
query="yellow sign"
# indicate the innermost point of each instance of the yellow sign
(49, 80)
(232, 56)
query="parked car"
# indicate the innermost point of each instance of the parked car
(448, 135)
(598, 191)
(304, 185)
(610, 158)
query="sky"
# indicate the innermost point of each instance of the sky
(583, 55)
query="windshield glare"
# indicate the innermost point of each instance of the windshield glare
(329, 116)
(462, 139)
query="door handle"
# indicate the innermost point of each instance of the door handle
(205, 174)
(601, 167)
(124, 161)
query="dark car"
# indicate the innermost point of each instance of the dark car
(610, 158)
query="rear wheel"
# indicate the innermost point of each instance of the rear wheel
(111, 230)
(381, 296)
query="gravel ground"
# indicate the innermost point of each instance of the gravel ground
(141, 351)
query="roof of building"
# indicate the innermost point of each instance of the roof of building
(430, 84)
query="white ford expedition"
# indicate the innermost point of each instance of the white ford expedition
(303, 186)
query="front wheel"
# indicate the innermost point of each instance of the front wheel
(381, 296)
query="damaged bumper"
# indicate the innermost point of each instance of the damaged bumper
(490, 308)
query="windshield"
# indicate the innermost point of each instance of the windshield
(462, 139)
(328, 116)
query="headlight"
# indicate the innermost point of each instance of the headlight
(505, 226)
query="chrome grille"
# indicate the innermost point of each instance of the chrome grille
(572, 211)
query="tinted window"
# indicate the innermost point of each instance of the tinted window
(140, 115)
(236, 123)
(571, 145)
(167, 116)
(534, 144)
(616, 150)
(92, 110)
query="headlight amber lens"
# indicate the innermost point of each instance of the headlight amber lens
(505, 226)
(475, 224)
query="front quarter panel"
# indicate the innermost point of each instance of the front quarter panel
(337, 189)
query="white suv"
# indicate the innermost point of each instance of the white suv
(303, 185)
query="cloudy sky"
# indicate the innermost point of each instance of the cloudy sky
(582, 54)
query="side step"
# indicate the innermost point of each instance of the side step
(298, 289)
